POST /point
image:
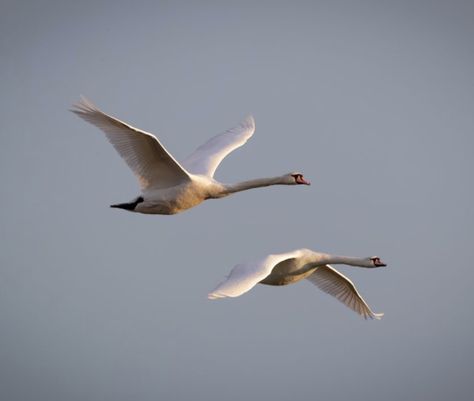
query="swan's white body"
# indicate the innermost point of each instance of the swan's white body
(290, 267)
(169, 187)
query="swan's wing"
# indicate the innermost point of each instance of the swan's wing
(205, 159)
(245, 276)
(334, 283)
(147, 158)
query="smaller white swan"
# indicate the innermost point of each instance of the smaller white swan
(169, 187)
(290, 267)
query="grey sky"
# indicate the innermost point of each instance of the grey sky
(373, 101)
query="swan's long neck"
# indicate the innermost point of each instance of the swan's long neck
(341, 260)
(257, 183)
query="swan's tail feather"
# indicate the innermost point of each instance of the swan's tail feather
(129, 205)
(215, 295)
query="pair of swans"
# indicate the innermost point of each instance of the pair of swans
(169, 187)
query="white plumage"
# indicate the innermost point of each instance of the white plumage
(205, 159)
(290, 267)
(154, 167)
(169, 187)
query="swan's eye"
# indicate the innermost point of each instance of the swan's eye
(297, 177)
(377, 262)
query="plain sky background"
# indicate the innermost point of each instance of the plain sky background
(372, 100)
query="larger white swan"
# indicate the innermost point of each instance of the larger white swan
(167, 186)
(290, 267)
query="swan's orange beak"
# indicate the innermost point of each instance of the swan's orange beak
(301, 180)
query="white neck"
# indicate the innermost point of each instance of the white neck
(257, 183)
(324, 258)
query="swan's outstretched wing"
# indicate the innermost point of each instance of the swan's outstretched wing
(205, 159)
(334, 283)
(245, 276)
(148, 159)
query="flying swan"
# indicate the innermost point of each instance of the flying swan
(167, 186)
(290, 267)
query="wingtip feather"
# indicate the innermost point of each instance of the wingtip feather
(83, 106)
(377, 316)
(248, 122)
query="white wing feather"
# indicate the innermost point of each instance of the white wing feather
(329, 280)
(205, 159)
(147, 158)
(244, 277)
